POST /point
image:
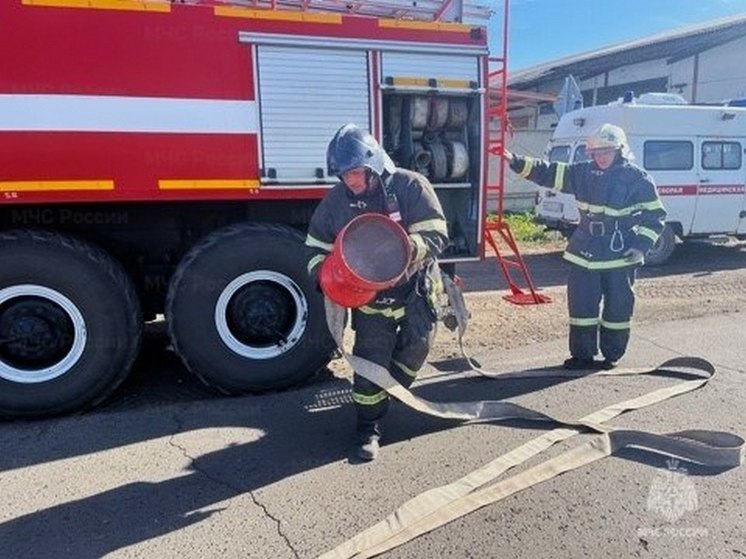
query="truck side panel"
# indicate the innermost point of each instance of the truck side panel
(171, 92)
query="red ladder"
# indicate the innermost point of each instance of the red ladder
(509, 259)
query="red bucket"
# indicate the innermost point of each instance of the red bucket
(370, 254)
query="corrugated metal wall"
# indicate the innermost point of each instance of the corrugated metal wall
(306, 94)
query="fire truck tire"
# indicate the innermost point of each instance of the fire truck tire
(663, 248)
(70, 324)
(243, 313)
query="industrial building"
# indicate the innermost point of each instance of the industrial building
(702, 63)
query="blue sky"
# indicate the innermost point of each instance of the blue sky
(543, 30)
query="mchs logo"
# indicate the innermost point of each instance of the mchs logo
(672, 493)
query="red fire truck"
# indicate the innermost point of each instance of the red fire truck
(165, 158)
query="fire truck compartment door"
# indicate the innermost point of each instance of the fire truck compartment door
(305, 95)
(442, 67)
(720, 185)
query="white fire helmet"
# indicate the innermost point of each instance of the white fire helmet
(609, 136)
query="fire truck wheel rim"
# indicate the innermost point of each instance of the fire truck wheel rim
(234, 335)
(30, 327)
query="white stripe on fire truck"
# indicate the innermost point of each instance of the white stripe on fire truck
(209, 184)
(33, 186)
(109, 113)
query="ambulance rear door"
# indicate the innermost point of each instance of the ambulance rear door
(720, 185)
(742, 214)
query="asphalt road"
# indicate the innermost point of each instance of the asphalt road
(168, 469)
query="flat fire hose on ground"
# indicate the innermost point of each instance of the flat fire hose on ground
(439, 506)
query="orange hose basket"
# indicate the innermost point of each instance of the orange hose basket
(370, 254)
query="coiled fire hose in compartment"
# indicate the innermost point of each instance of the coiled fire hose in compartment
(421, 159)
(458, 113)
(458, 159)
(420, 109)
(438, 114)
(439, 163)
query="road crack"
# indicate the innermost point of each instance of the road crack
(235, 489)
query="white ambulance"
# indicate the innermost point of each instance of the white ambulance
(695, 154)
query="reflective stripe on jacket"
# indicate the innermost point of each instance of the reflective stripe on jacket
(619, 208)
(421, 216)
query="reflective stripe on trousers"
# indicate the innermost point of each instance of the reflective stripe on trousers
(401, 346)
(586, 290)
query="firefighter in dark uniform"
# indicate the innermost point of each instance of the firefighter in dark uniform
(621, 218)
(395, 330)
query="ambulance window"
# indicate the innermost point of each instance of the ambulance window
(721, 155)
(580, 154)
(546, 109)
(559, 154)
(665, 155)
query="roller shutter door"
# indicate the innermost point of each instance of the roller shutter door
(305, 95)
(437, 66)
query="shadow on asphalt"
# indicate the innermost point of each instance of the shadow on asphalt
(550, 269)
(299, 431)
(161, 390)
(296, 432)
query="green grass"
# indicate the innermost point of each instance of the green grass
(525, 229)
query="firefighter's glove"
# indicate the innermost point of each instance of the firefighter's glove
(634, 256)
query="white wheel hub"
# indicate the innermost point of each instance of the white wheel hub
(292, 334)
(66, 362)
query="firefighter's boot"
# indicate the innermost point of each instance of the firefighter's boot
(368, 447)
(608, 365)
(578, 364)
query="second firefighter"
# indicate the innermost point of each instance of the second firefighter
(621, 218)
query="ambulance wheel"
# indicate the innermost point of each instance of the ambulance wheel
(243, 314)
(663, 248)
(567, 230)
(69, 324)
